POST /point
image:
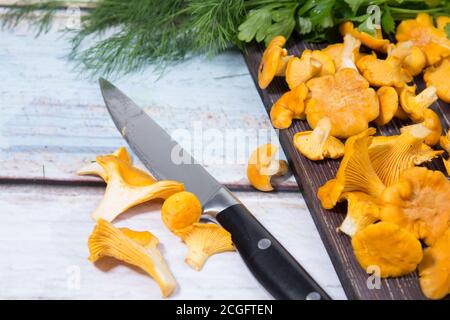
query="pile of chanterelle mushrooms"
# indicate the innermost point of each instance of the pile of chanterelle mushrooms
(128, 186)
(398, 214)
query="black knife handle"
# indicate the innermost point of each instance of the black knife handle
(267, 259)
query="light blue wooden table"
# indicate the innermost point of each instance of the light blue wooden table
(52, 121)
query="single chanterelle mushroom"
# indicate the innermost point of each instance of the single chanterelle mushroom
(362, 210)
(132, 175)
(319, 144)
(262, 166)
(180, 210)
(290, 106)
(376, 43)
(432, 122)
(388, 98)
(419, 202)
(415, 105)
(390, 156)
(136, 248)
(345, 98)
(355, 172)
(273, 62)
(431, 40)
(204, 240)
(300, 70)
(394, 250)
(389, 72)
(120, 195)
(434, 270)
(439, 77)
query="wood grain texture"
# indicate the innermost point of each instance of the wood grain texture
(43, 243)
(311, 175)
(53, 119)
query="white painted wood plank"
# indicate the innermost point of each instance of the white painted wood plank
(52, 119)
(43, 240)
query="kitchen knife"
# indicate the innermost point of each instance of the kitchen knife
(267, 259)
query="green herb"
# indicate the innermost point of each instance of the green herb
(128, 35)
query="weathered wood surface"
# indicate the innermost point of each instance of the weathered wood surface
(43, 244)
(311, 175)
(53, 120)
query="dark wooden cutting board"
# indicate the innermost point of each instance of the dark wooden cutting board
(310, 175)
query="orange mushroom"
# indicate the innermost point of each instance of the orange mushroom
(300, 70)
(415, 105)
(273, 62)
(438, 77)
(388, 98)
(376, 43)
(290, 106)
(432, 122)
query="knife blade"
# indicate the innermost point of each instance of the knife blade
(271, 264)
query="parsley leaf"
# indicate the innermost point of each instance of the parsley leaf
(387, 21)
(256, 24)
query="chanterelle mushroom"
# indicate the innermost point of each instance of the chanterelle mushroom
(376, 43)
(388, 98)
(273, 62)
(319, 144)
(362, 210)
(419, 202)
(394, 250)
(133, 247)
(262, 166)
(180, 210)
(355, 172)
(415, 61)
(345, 98)
(432, 122)
(204, 240)
(434, 270)
(389, 72)
(300, 70)
(335, 50)
(439, 77)
(415, 105)
(291, 105)
(120, 195)
(431, 40)
(390, 156)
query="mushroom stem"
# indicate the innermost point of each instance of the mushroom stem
(426, 97)
(401, 51)
(321, 133)
(348, 56)
(281, 69)
(196, 259)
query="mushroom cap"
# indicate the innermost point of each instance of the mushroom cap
(300, 70)
(390, 156)
(262, 166)
(392, 249)
(291, 105)
(180, 210)
(362, 211)
(415, 105)
(355, 172)
(120, 195)
(419, 202)
(433, 123)
(318, 144)
(204, 240)
(388, 98)
(438, 78)
(388, 72)
(135, 248)
(376, 43)
(431, 40)
(434, 270)
(346, 99)
(272, 62)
